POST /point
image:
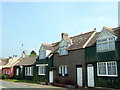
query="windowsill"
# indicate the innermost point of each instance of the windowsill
(41, 74)
(63, 75)
(107, 75)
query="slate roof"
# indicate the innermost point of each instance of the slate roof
(79, 40)
(26, 61)
(117, 32)
(93, 40)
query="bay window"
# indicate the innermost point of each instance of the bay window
(106, 44)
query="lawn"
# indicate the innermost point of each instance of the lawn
(15, 80)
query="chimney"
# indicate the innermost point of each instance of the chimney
(64, 36)
(94, 29)
(23, 54)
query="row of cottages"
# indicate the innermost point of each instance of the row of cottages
(88, 60)
(64, 62)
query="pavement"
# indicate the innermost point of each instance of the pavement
(6, 85)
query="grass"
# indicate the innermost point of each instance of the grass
(15, 80)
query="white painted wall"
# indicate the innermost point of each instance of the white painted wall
(48, 52)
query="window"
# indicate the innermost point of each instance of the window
(42, 54)
(41, 70)
(28, 71)
(106, 44)
(63, 70)
(7, 72)
(63, 50)
(107, 68)
(17, 71)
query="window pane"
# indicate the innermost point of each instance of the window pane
(112, 68)
(111, 46)
(102, 68)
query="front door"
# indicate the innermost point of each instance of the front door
(51, 76)
(79, 76)
(90, 75)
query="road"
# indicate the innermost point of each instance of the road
(24, 86)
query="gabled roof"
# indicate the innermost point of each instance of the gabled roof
(26, 61)
(115, 31)
(49, 46)
(12, 62)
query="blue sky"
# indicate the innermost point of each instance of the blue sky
(33, 23)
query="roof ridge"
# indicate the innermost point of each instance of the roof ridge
(47, 44)
(107, 28)
(82, 34)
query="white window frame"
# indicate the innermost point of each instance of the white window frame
(17, 71)
(102, 48)
(28, 71)
(106, 68)
(63, 50)
(41, 70)
(42, 54)
(63, 69)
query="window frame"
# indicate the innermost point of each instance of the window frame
(63, 50)
(7, 72)
(29, 71)
(63, 70)
(43, 72)
(106, 65)
(107, 41)
(42, 54)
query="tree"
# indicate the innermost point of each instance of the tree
(32, 53)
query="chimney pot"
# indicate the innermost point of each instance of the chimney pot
(64, 36)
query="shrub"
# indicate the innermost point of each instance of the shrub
(5, 76)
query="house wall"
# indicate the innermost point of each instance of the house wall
(73, 59)
(11, 69)
(21, 75)
(92, 58)
(43, 78)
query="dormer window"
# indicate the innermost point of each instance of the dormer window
(63, 50)
(42, 54)
(107, 44)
